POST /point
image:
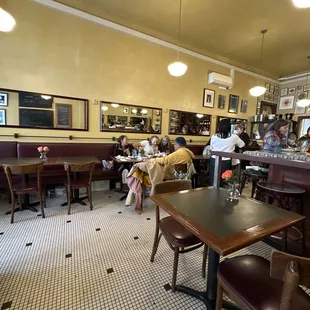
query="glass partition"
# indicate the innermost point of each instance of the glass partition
(127, 118)
(34, 110)
(188, 123)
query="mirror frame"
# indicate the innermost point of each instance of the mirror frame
(130, 106)
(188, 134)
(86, 120)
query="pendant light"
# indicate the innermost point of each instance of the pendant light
(259, 90)
(305, 102)
(7, 22)
(178, 68)
(302, 3)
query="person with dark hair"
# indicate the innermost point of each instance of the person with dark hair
(276, 136)
(165, 145)
(224, 141)
(305, 137)
(123, 148)
(242, 135)
(151, 146)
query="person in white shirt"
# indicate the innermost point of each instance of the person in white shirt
(224, 141)
(151, 146)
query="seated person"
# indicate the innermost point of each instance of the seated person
(151, 146)
(224, 141)
(123, 148)
(276, 136)
(165, 145)
(242, 135)
(306, 137)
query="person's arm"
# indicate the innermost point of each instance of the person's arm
(246, 138)
(272, 139)
(117, 150)
(239, 143)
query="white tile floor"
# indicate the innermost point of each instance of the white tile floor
(96, 259)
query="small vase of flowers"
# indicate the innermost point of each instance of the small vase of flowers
(140, 151)
(231, 179)
(43, 150)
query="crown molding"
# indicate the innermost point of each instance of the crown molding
(105, 23)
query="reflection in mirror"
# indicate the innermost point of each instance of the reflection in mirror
(126, 118)
(188, 123)
(33, 110)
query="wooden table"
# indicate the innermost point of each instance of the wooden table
(224, 227)
(58, 161)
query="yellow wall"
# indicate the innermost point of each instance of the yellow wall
(52, 52)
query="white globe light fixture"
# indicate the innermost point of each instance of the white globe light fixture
(259, 90)
(199, 115)
(178, 68)
(7, 22)
(46, 97)
(305, 102)
(302, 4)
(115, 105)
(104, 108)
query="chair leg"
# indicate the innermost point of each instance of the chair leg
(254, 182)
(69, 200)
(90, 198)
(12, 209)
(284, 240)
(175, 268)
(219, 297)
(155, 244)
(204, 260)
(242, 183)
(20, 202)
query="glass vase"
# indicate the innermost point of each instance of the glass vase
(43, 156)
(233, 193)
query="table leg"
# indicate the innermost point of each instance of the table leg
(209, 296)
(76, 199)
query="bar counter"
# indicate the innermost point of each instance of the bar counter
(293, 168)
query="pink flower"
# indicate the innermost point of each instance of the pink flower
(40, 149)
(45, 149)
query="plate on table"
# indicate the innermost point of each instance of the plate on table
(289, 150)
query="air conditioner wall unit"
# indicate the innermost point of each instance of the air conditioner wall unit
(220, 80)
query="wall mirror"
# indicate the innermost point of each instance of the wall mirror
(119, 117)
(188, 123)
(34, 110)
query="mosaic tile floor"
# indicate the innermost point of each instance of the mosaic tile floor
(96, 259)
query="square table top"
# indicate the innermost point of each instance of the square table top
(223, 226)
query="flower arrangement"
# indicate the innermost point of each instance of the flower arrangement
(231, 179)
(43, 150)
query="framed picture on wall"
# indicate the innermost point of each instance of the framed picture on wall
(271, 89)
(301, 96)
(63, 115)
(125, 110)
(267, 86)
(221, 102)
(244, 106)
(286, 103)
(284, 92)
(208, 98)
(233, 104)
(299, 87)
(292, 91)
(299, 110)
(4, 99)
(2, 117)
(307, 87)
(268, 108)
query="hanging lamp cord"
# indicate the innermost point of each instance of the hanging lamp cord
(179, 33)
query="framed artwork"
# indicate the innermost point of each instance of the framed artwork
(286, 103)
(267, 86)
(299, 110)
(126, 110)
(244, 106)
(268, 108)
(284, 92)
(63, 115)
(275, 98)
(208, 98)
(266, 97)
(276, 90)
(233, 104)
(2, 117)
(4, 99)
(221, 102)
(299, 87)
(301, 96)
(271, 89)
(307, 87)
(292, 91)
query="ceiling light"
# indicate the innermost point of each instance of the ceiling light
(199, 115)
(305, 102)
(144, 111)
(134, 111)
(7, 22)
(302, 3)
(178, 68)
(104, 108)
(115, 105)
(259, 90)
(46, 97)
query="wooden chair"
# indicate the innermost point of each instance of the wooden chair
(26, 186)
(179, 239)
(255, 283)
(78, 181)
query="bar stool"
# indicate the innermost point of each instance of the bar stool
(287, 196)
(255, 178)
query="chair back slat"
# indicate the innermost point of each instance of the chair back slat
(79, 167)
(280, 261)
(172, 186)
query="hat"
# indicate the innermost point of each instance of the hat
(180, 141)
